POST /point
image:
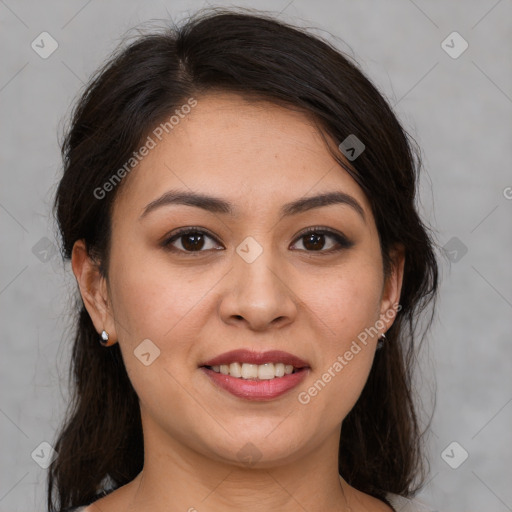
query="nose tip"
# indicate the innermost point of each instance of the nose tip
(257, 295)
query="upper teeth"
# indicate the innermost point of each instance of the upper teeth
(254, 371)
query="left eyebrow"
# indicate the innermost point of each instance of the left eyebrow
(221, 206)
(327, 199)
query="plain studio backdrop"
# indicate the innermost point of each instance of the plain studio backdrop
(446, 67)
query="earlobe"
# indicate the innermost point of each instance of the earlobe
(93, 289)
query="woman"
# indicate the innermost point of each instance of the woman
(238, 205)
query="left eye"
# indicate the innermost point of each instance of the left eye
(313, 240)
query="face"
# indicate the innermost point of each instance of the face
(246, 276)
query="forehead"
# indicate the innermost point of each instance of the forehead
(252, 153)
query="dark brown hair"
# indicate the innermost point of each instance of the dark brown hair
(256, 56)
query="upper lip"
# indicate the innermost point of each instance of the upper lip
(252, 357)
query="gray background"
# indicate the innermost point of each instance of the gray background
(458, 109)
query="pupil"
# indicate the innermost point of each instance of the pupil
(197, 241)
(315, 238)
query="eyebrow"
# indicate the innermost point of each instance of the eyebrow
(221, 206)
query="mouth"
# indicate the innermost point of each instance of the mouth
(256, 375)
(247, 371)
(247, 364)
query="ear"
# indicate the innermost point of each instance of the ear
(392, 287)
(93, 288)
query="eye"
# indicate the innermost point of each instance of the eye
(315, 240)
(195, 240)
(190, 239)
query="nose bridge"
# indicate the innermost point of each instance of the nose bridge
(255, 266)
(258, 290)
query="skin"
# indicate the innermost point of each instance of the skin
(193, 306)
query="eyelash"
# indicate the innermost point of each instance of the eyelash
(342, 241)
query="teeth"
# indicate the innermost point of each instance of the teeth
(279, 369)
(249, 371)
(235, 369)
(265, 371)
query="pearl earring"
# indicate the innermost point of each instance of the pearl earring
(380, 342)
(104, 338)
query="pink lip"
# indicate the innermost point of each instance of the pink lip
(260, 390)
(251, 357)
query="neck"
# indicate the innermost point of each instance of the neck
(187, 479)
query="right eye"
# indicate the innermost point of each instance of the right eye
(191, 240)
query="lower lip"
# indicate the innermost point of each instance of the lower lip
(257, 389)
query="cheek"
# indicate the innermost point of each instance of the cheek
(156, 301)
(151, 297)
(346, 305)
(345, 300)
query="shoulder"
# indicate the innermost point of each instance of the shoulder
(402, 504)
(89, 507)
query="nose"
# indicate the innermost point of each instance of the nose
(258, 294)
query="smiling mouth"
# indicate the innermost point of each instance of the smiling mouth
(247, 371)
